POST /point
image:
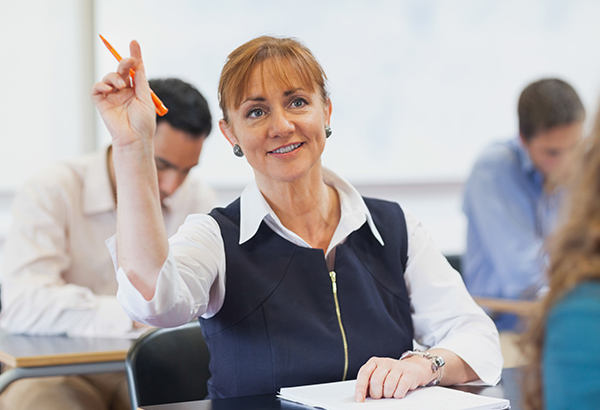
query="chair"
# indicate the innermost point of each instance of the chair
(455, 261)
(168, 366)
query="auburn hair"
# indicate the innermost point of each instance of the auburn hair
(290, 62)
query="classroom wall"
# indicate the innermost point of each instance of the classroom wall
(47, 71)
(418, 87)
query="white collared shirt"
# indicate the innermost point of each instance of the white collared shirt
(57, 276)
(192, 280)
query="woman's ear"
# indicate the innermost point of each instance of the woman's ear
(227, 132)
(328, 109)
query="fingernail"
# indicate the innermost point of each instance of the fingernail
(121, 82)
(359, 398)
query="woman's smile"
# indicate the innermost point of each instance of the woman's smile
(286, 149)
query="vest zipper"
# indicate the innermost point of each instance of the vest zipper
(332, 275)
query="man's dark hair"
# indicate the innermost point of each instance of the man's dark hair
(188, 109)
(546, 104)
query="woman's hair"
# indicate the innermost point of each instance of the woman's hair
(574, 250)
(291, 62)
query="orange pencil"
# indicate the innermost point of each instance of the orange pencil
(160, 107)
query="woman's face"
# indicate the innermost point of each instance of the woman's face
(281, 129)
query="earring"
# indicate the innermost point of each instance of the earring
(237, 151)
(328, 131)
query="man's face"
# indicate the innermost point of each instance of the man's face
(549, 148)
(176, 152)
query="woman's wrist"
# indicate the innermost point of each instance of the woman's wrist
(432, 362)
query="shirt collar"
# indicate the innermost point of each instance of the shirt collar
(354, 212)
(524, 158)
(526, 163)
(97, 189)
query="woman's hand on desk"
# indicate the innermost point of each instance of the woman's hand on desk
(386, 377)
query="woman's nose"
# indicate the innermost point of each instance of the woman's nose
(281, 124)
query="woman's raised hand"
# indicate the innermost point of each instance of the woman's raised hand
(125, 105)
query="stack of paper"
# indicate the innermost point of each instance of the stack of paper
(340, 396)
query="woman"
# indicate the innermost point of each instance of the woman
(563, 340)
(301, 280)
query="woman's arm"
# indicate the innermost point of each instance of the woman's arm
(128, 112)
(446, 318)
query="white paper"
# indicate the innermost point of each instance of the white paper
(340, 396)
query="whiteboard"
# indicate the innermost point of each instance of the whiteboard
(418, 87)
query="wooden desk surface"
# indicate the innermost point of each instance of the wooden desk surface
(30, 351)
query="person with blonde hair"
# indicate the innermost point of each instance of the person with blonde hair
(563, 340)
(300, 280)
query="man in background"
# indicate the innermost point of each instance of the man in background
(58, 277)
(511, 200)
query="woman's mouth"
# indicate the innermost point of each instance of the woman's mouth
(286, 149)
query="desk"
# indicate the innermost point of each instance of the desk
(40, 356)
(522, 308)
(508, 388)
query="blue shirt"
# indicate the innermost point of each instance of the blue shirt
(509, 216)
(570, 370)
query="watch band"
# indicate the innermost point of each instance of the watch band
(437, 364)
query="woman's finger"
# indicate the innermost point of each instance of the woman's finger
(377, 380)
(115, 80)
(142, 88)
(405, 384)
(363, 379)
(124, 69)
(390, 384)
(101, 88)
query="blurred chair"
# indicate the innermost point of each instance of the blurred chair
(509, 341)
(168, 366)
(455, 261)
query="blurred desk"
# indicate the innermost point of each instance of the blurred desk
(508, 388)
(41, 356)
(499, 305)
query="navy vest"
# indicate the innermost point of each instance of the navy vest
(278, 325)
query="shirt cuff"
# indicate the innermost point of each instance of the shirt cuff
(110, 320)
(483, 356)
(111, 244)
(165, 309)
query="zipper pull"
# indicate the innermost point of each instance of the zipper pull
(333, 281)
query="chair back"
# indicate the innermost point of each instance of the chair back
(168, 366)
(455, 261)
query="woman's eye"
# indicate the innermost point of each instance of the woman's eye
(299, 102)
(255, 113)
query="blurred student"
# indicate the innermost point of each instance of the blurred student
(510, 200)
(564, 339)
(58, 277)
